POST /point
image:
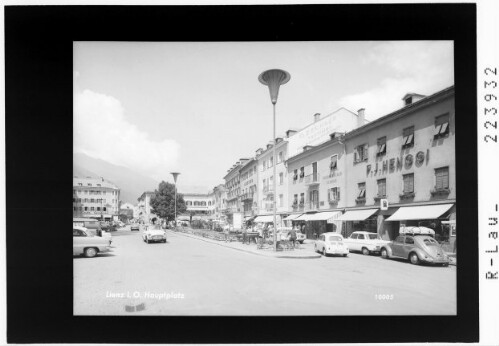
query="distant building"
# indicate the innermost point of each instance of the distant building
(145, 213)
(95, 198)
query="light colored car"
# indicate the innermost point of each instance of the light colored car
(154, 234)
(86, 244)
(416, 249)
(365, 242)
(300, 237)
(331, 243)
(134, 227)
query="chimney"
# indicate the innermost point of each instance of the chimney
(361, 118)
(290, 132)
(317, 117)
(307, 147)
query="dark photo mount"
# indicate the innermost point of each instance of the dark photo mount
(39, 128)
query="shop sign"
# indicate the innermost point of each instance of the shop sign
(383, 204)
(331, 179)
(392, 164)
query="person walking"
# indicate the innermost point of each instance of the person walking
(292, 236)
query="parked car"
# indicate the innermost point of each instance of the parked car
(300, 237)
(417, 248)
(331, 243)
(366, 242)
(154, 234)
(92, 225)
(135, 227)
(86, 244)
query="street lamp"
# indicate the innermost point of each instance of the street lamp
(175, 175)
(273, 79)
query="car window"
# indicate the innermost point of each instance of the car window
(361, 236)
(78, 233)
(430, 241)
(321, 237)
(334, 238)
(409, 240)
(354, 236)
(374, 236)
(399, 239)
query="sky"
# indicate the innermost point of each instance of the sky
(197, 108)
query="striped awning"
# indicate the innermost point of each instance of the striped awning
(357, 215)
(265, 218)
(421, 212)
(292, 217)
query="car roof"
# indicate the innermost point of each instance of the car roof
(363, 232)
(332, 233)
(84, 229)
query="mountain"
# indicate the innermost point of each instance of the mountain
(130, 183)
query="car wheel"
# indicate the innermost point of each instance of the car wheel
(324, 252)
(413, 257)
(345, 255)
(365, 251)
(384, 253)
(90, 252)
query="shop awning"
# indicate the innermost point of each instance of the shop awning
(357, 215)
(265, 218)
(292, 217)
(421, 212)
(325, 216)
(304, 217)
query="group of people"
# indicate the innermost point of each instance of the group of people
(267, 231)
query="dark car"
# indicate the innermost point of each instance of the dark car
(416, 249)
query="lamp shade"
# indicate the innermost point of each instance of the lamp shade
(175, 175)
(273, 79)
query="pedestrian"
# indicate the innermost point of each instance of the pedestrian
(292, 236)
(245, 234)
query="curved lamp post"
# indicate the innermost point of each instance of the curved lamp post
(274, 79)
(175, 175)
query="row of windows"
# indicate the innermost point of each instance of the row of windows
(89, 209)
(441, 130)
(266, 164)
(92, 200)
(441, 183)
(95, 192)
(248, 174)
(198, 203)
(89, 184)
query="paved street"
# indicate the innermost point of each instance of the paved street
(206, 279)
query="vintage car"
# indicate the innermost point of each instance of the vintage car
(331, 243)
(416, 245)
(154, 234)
(300, 237)
(86, 244)
(135, 227)
(365, 242)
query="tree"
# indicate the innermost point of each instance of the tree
(163, 202)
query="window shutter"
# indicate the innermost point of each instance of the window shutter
(338, 193)
(365, 152)
(356, 155)
(438, 180)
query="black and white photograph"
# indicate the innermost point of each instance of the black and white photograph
(257, 178)
(286, 173)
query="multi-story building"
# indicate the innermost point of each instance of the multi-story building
(405, 159)
(220, 198)
(199, 204)
(233, 188)
(145, 213)
(95, 198)
(403, 162)
(266, 193)
(249, 188)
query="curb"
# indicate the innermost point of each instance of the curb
(247, 251)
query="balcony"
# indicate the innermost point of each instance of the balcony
(311, 206)
(247, 196)
(268, 189)
(312, 179)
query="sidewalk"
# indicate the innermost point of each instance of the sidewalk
(305, 252)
